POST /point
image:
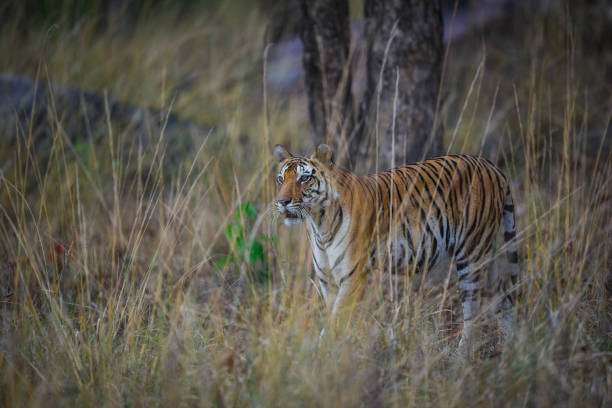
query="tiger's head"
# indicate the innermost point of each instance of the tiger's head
(302, 184)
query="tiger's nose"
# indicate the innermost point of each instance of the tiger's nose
(283, 201)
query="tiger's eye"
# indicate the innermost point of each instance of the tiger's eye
(304, 179)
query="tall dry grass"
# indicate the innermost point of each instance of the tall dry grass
(112, 289)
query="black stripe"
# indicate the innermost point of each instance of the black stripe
(406, 232)
(453, 186)
(509, 207)
(432, 261)
(380, 192)
(420, 262)
(387, 183)
(425, 186)
(345, 232)
(447, 234)
(434, 252)
(338, 260)
(508, 235)
(459, 248)
(408, 184)
(470, 231)
(381, 177)
(439, 216)
(319, 244)
(471, 277)
(486, 247)
(367, 182)
(444, 165)
(423, 218)
(441, 226)
(438, 184)
(483, 199)
(339, 213)
(347, 276)
(396, 185)
(498, 179)
(432, 202)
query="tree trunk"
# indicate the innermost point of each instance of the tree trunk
(403, 72)
(326, 38)
(397, 120)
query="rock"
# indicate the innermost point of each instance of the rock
(80, 114)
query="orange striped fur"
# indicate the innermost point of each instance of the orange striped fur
(409, 217)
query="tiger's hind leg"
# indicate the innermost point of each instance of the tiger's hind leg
(504, 312)
(470, 286)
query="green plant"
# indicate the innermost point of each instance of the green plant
(245, 248)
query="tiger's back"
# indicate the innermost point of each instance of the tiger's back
(450, 205)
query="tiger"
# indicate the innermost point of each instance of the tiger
(412, 216)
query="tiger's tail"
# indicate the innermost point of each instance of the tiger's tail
(511, 247)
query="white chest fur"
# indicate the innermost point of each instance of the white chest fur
(331, 259)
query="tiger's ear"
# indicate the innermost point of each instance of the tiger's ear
(280, 153)
(324, 154)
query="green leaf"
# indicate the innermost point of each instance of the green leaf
(250, 210)
(222, 262)
(256, 253)
(240, 242)
(82, 147)
(229, 232)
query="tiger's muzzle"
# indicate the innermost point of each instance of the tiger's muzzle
(291, 211)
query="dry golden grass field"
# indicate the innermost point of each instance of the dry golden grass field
(144, 267)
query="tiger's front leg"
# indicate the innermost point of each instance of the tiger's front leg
(340, 298)
(338, 304)
(350, 288)
(341, 293)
